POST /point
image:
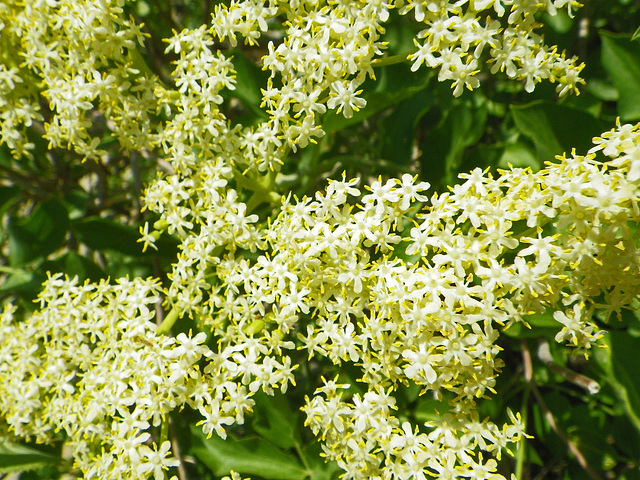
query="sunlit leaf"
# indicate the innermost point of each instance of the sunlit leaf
(621, 60)
(248, 455)
(41, 233)
(275, 421)
(20, 458)
(556, 129)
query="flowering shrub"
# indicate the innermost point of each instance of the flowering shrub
(382, 285)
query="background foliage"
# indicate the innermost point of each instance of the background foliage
(60, 214)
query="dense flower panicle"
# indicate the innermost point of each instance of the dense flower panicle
(91, 364)
(83, 55)
(79, 56)
(402, 292)
(434, 320)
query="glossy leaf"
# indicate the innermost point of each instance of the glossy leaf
(250, 80)
(19, 458)
(321, 469)
(102, 234)
(539, 325)
(400, 126)
(22, 281)
(395, 84)
(252, 456)
(444, 146)
(38, 235)
(275, 421)
(621, 60)
(73, 264)
(556, 129)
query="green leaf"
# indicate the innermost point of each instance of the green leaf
(8, 194)
(103, 234)
(621, 60)
(275, 421)
(443, 148)
(541, 325)
(399, 127)
(430, 409)
(250, 455)
(602, 90)
(39, 234)
(618, 360)
(73, 265)
(518, 155)
(76, 202)
(556, 129)
(321, 469)
(250, 80)
(20, 458)
(22, 281)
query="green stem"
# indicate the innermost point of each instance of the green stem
(164, 429)
(263, 188)
(168, 321)
(522, 447)
(255, 200)
(392, 60)
(302, 457)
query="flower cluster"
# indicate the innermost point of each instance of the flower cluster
(476, 260)
(402, 287)
(406, 295)
(81, 57)
(91, 363)
(329, 49)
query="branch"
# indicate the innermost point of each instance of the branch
(528, 375)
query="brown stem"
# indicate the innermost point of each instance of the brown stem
(528, 375)
(175, 448)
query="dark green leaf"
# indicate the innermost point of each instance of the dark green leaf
(556, 129)
(541, 325)
(275, 421)
(430, 409)
(444, 146)
(248, 455)
(39, 234)
(250, 79)
(400, 126)
(602, 90)
(8, 195)
(73, 265)
(321, 469)
(626, 438)
(621, 60)
(619, 363)
(560, 22)
(103, 234)
(23, 281)
(19, 458)
(520, 156)
(76, 201)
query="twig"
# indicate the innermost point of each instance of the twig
(578, 379)
(175, 448)
(206, 12)
(528, 375)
